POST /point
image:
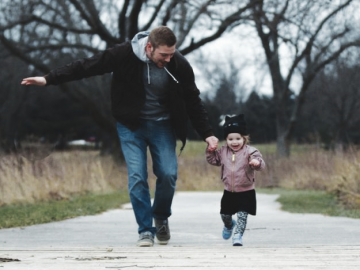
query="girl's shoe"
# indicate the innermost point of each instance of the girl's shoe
(237, 240)
(226, 233)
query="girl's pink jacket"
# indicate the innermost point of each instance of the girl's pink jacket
(236, 173)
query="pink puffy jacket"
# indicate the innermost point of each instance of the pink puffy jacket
(236, 173)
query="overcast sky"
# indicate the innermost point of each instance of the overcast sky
(246, 53)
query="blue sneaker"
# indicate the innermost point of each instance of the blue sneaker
(237, 240)
(226, 233)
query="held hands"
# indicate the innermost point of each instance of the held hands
(40, 81)
(212, 143)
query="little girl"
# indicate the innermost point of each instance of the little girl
(238, 162)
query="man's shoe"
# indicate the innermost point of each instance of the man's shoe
(162, 231)
(146, 239)
(226, 233)
(237, 240)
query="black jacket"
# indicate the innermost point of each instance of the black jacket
(127, 89)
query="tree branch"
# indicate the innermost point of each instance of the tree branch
(190, 22)
(336, 54)
(61, 46)
(13, 48)
(153, 17)
(61, 27)
(331, 41)
(307, 50)
(83, 13)
(221, 29)
(258, 15)
(167, 16)
(134, 18)
(122, 21)
(309, 76)
(78, 96)
(99, 27)
(280, 16)
(16, 23)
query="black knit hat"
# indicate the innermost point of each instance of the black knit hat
(235, 124)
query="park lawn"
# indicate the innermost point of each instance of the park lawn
(20, 215)
(311, 201)
(313, 167)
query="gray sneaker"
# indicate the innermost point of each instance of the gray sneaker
(146, 239)
(162, 231)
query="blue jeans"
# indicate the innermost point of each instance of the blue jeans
(161, 140)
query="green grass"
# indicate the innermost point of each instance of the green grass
(197, 148)
(310, 201)
(295, 201)
(19, 215)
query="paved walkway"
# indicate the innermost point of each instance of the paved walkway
(274, 239)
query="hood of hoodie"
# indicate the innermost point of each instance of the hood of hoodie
(138, 44)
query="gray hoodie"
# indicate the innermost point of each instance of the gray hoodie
(156, 82)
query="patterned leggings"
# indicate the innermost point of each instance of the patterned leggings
(240, 224)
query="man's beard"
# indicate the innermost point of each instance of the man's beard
(162, 63)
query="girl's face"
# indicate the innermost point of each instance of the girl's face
(235, 141)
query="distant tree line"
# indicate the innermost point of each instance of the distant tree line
(316, 41)
(329, 118)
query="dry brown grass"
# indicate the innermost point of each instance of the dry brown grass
(75, 172)
(57, 176)
(308, 168)
(316, 169)
(196, 174)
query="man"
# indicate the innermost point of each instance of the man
(153, 93)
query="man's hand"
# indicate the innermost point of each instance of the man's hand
(34, 81)
(212, 143)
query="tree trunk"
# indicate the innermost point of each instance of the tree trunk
(111, 146)
(282, 145)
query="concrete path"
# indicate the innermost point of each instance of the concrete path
(274, 239)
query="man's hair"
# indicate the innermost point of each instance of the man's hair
(162, 35)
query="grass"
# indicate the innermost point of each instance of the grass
(311, 201)
(75, 183)
(58, 176)
(294, 201)
(19, 215)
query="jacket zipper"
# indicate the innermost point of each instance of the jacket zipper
(233, 172)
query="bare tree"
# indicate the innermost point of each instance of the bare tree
(300, 37)
(12, 98)
(339, 90)
(44, 33)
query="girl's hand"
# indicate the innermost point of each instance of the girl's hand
(254, 163)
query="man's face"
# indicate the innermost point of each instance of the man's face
(235, 141)
(161, 55)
